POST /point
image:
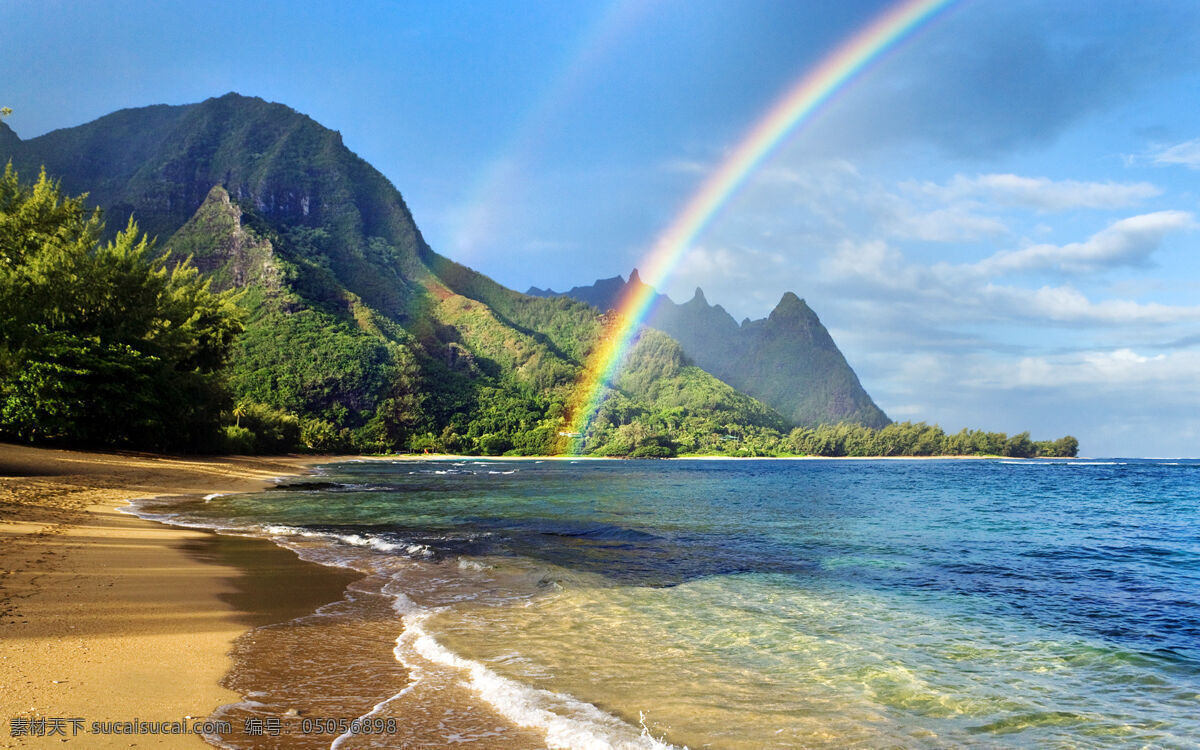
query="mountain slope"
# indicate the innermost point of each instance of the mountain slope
(786, 360)
(353, 324)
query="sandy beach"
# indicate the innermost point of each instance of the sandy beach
(106, 617)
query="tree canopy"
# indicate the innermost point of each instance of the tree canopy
(103, 343)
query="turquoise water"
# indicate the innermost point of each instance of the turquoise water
(751, 604)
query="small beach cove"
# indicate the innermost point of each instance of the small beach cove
(116, 620)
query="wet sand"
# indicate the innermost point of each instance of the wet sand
(107, 617)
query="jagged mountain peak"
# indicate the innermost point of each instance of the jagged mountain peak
(789, 299)
(787, 360)
(353, 323)
(231, 254)
(159, 162)
(793, 308)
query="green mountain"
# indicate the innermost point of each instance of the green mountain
(356, 334)
(786, 360)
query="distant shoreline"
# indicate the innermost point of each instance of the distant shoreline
(109, 616)
(712, 457)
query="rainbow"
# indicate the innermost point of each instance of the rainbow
(795, 107)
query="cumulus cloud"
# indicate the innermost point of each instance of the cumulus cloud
(1066, 304)
(953, 224)
(969, 292)
(1128, 242)
(1114, 369)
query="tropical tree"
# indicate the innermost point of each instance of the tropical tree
(103, 343)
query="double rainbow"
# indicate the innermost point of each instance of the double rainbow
(789, 111)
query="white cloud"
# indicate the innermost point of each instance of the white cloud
(1065, 304)
(834, 196)
(1186, 154)
(1112, 369)
(1128, 242)
(955, 299)
(1117, 369)
(874, 261)
(965, 293)
(1038, 193)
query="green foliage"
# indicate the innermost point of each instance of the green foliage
(322, 436)
(1020, 446)
(357, 336)
(1064, 447)
(102, 344)
(919, 439)
(654, 446)
(270, 430)
(238, 440)
(309, 362)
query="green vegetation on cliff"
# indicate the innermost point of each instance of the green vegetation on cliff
(787, 360)
(355, 335)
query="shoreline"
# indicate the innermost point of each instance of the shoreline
(707, 457)
(110, 617)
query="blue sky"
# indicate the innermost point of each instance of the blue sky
(997, 220)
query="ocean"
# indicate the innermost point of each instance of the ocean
(730, 604)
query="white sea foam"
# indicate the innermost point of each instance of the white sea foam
(567, 722)
(137, 508)
(376, 710)
(372, 541)
(218, 740)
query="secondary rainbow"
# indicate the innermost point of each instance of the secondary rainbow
(791, 110)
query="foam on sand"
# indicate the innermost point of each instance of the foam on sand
(566, 721)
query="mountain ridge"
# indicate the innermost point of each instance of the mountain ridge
(357, 330)
(787, 360)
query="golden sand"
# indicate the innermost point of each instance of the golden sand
(106, 617)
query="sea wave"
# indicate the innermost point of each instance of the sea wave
(379, 542)
(567, 722)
